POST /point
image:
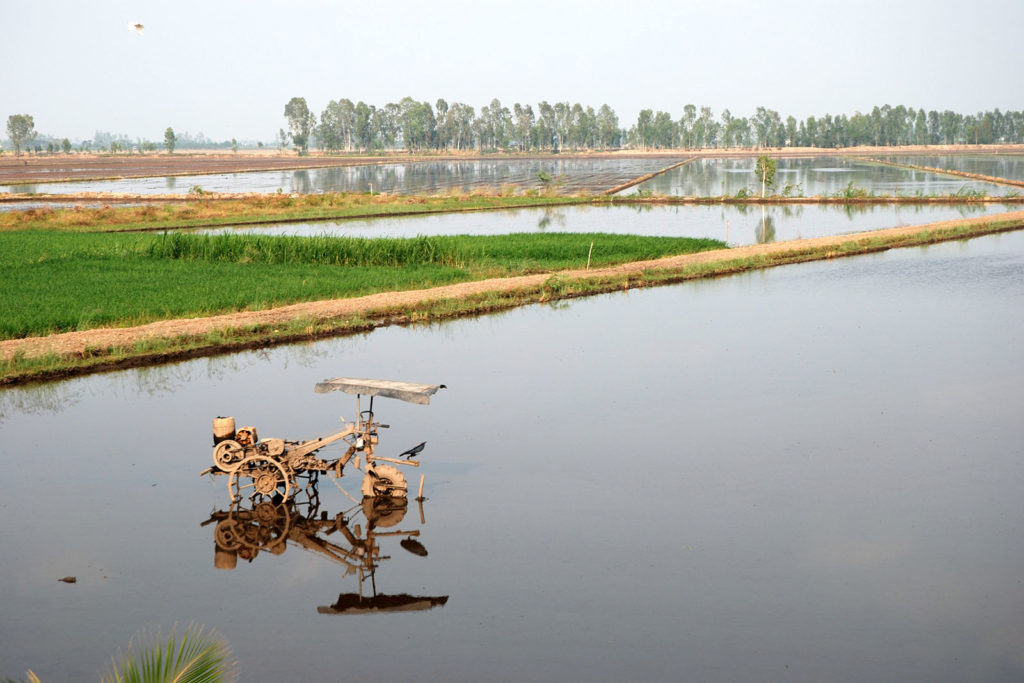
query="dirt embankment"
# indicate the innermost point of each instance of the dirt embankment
(71, 343)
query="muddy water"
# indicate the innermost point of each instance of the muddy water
(808, 177)
(428, 177)
(809, 473)
(736, 225)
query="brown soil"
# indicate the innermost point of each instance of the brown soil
(79, 342)
(56, 168)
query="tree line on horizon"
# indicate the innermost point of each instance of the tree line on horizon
(418, 126)
(21, 131)
(344, 126)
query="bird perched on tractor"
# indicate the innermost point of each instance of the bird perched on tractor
(413, 452)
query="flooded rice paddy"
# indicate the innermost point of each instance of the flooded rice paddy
(424, 177)
(806, 473)
(703, 177)
(809, 177)
(1010, 166)
(736, 225)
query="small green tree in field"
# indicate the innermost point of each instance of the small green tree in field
(65, 145)
(764, 169)
(170, 140)
(20, 128)
(234, 145)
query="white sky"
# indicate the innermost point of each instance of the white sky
(227, 68)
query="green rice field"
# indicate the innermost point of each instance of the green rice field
(57, 281)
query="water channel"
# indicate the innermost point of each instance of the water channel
(807, 473)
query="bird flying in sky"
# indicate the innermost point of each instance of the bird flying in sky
(136, 27)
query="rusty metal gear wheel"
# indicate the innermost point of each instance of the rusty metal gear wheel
(257, 477)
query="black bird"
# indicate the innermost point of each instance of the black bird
(413, 452)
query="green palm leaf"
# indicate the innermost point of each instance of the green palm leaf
(199, 656)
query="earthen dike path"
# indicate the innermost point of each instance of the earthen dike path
(78, 342)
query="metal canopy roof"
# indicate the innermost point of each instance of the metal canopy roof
(405, 391)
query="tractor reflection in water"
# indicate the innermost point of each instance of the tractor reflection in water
(270, 469)
(248, 529)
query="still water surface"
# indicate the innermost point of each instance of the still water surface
(424, 177)
(808, 473)
(736, 225)
(807, 177)
(1010, 166)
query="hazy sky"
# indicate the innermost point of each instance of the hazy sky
(227, 68)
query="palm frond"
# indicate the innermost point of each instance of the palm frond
(199, 656)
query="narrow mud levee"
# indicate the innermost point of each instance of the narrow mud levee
(646, 177)
(106, 348)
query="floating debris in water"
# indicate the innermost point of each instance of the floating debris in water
(69, 579)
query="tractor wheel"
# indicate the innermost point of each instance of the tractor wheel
(384, 480)
(267, 480)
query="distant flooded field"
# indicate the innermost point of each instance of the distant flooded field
(734, 224)
(1010, 166)
(424, 177)
(808, 177)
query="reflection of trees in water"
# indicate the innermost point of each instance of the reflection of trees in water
(464, 176)
(442, 176)
(765, 231)
(171, 181)
(968, 209)
(332, 179)
(551, 215)
(815, 176)
(55, 397)
(157, 380)
(852, 211)
(301, 182)
(40, 399)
